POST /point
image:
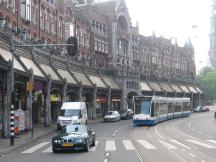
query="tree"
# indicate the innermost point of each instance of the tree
(207, 80)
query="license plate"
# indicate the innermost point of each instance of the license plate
(67, 145)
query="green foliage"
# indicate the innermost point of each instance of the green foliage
(207, 80)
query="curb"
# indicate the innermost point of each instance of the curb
(13, 148)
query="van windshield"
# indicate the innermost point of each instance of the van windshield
(70, 112)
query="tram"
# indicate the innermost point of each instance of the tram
(150, 110)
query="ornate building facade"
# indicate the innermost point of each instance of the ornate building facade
(114, 61)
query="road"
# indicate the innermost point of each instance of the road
(190, 139)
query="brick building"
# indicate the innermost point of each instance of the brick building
(114, 62)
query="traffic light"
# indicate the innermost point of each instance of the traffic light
(72, 50)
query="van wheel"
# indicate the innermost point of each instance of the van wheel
(86, 122)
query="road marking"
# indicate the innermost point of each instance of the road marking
(167, 145)
(200, 143)
(128, 145)
(94, 147)
(32, 149)
(158, 134)
(113, 134)
(107, 154)
(105, 160)
(192, 155)
(110, 145)
(177, 142)
(48, 150)
(212, 141)
(146, 144)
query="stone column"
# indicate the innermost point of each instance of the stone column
(124, 104)
(80, 90)
(29, 102)
(64, 91)
(192, 101)
(109, 97)
(7, 106)
(94, 102)
(48, 105)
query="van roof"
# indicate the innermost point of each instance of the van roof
(73, 105)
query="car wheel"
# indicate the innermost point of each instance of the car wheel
(93, 141)
(55, 150)
(86, 147)
(58, 127)
(86, 122)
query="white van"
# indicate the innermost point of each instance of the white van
(72, 113)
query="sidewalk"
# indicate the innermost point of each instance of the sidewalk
(39, 131)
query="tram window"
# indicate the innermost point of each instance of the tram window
(170, 107)
(156, 108)
(177, 107)
(145, 107)
(186, 106)
(163, 108)
(152, 109)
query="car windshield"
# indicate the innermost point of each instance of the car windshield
(70, 112)
(75, 128)
(109, 113)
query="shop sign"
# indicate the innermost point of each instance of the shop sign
(29, 86)
(116, 100)
(19, 121)
(54, 98)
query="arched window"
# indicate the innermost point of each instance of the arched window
(122, 47)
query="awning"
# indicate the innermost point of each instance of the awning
(166, 87)
(67, 75)
(145, 87)
(155, 86)
(97, 80)
(49, 71)
(199, 90)
(111, 82)
(7, 56)
(184, 88)
(82, 78)
(176, 88)
(192, 89)
(31, 65)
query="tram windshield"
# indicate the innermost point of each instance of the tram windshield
(142, 105)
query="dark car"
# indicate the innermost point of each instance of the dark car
(126, 114)
(73, 137)
(201, 109)
(215, 115)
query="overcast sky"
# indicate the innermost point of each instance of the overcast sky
(175, 18)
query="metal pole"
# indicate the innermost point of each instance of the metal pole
(12, 96)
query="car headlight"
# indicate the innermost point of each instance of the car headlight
(79, 141)
(57, 141)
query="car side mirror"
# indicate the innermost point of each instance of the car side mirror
(80, 116)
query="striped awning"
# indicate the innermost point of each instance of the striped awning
(176, 88)
(166, 87)
(155, 86)
(7, 56)
(97, 80)
(31, 65)
(145, 87)
(185, 89)
(82, 78)
(111, 82)
(50, 71)
(65, 74)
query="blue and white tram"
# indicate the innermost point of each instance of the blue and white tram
(150, 110)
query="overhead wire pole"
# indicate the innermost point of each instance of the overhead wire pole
(72, 51)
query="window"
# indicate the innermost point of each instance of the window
(25, 10)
